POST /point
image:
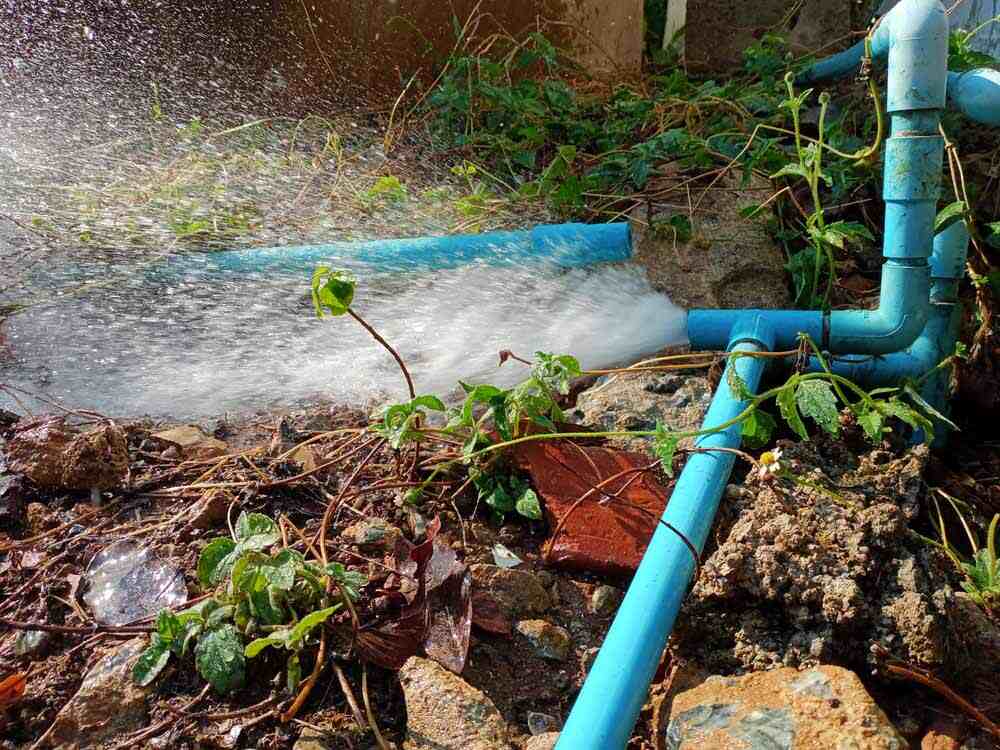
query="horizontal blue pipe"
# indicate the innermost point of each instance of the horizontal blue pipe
(976, 93)
(605, 712)
(567, 245)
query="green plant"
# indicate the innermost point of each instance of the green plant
(961, 55)
(259, 600)
(806, 270)
(387, 189)
(982, 571)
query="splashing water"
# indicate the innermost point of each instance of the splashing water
(197, 345)
(127, 142)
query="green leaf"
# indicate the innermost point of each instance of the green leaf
(279, 638)
(903, 411)
(307, 623)
(168, 626)
(332, 291)
(792, 169)
(929, 410)
(250, 525)
(219, 616)
(499, 499)
(665, 447)
(211, 561)
(429, 402)
(219, 658)
(757, 429)
(152, 661)
(528, 506)
(871, 422)
(816, 400)
(790, 411)
(949, 215)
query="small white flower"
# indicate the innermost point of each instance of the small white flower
(770, 464)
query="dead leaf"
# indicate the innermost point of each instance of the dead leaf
(12, 688)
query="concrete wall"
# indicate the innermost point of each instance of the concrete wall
(718, 31)
(376, 45)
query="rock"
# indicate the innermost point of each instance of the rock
(193, 442)
(638, 402)
(549, 641)
(728, 261)
(13, 502)
(945, 734)
(443, 712)
(783, 709)
(211, 511)
(56, 456)
(313, 738)
(605, 600)
(373, 535)
(545, 741)
(519, 593)
(96, 458)
(802, 577)
(539, 723)
(108, 703)
(31, 643)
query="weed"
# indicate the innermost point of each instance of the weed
(387, 189)
(260, 600)
(981, 572)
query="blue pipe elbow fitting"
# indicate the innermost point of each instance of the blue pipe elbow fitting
(976, 93)
(613, 695)
(568, 245)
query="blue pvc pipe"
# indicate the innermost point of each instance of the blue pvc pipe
(976, 93)
(914, 38)
(609, 703)
(567, 245)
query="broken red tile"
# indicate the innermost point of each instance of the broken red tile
(599, 534)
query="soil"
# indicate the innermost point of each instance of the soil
(795, 575)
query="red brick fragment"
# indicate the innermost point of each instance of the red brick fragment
(600, 535)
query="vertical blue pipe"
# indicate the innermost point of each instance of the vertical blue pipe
(914, 38)
(609, 703)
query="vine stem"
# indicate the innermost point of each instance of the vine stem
(378, 337)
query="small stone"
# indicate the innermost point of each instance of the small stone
(108, 702)
(545, 741)
(504, 558)
(519, 593)
(549, 641)
(539, 723)
(31, 643)
(373, 535)
(316, 738)
(945, 734)
(13, 505)
(444, 712)
(664, 384)
(605, 600)
(193, 442)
